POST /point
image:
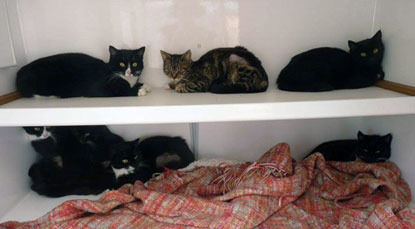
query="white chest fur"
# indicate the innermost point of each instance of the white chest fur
(123, 171)
(45, 134)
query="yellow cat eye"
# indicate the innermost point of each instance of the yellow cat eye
(363, 54)
(125, 161)
(375, 51)
(87, 134)
(135, 65)
(37, 129)
(122, 64)
(136, 157)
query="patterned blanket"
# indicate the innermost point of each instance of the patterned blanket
(273, 192)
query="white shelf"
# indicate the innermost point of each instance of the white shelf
(163, 106)
(33, 206)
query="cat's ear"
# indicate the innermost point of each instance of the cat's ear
(352, 45)
(360, 136)
(387, 138)
(135, 142)
(140, 51)
(113, 51)
(187, 56)
(378, 36)
(164, 55)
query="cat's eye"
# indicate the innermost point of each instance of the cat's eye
(37, 129)
(363, 54)
(87, 135)
(122, 64)
(375, 50)
(135, 65)
(125, 161)
(136, 157)
(365, 150)
(377, 152)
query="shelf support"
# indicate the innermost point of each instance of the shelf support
(7, 98)
(396, 87)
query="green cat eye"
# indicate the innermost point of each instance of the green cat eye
(377, 152)
(363, 54)
(136, 157)
(125, 161)
(87, 134)
(135, 65)
(375, 51)
(122, 64)
(37, 129)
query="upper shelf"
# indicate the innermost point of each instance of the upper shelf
(162, 106)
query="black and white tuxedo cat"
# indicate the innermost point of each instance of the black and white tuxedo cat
(80, 75)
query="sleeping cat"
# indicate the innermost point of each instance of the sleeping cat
(161, 152)
(326, 69)
(369, 148)
(80, 75)
(222, 70)
(129, 162)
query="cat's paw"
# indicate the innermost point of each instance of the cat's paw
(167, 87)
(147, 88)
(144, 90)
(58, 161)
(181, 88)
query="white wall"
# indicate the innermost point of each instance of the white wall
(247, 141)
(16, 156)
(396, 19)
(274, 29)
(7, 74)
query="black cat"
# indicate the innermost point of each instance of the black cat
(369, 148)
(44, 141)
(80, 75)
(130, 161)
(326, 69)
(161, 152)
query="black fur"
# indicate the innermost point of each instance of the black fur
(326, 69)
(80, 75)
(154, 147)
(369, 148)
(90, 155)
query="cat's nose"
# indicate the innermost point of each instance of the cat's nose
(128, 71)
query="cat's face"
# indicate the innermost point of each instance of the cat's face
(37, 133)
(124, 155)
(368, 52)
(374, 148)
(176, 66)
(128, 64)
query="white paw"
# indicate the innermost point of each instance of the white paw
(146, 87)
(142, 92)
(167, 87)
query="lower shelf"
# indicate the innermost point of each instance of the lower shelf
(33, 206)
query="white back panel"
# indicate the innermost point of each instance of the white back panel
(247, 141)
(274, 30)
(396, 18)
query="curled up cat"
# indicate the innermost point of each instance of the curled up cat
(326, 69)
(80, 75)
(222, 71)
(368, 148)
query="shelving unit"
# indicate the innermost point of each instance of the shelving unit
(162, 106)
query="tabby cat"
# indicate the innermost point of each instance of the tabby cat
(369, 148)
(222, 70)
(326, 69)
(80, 75)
